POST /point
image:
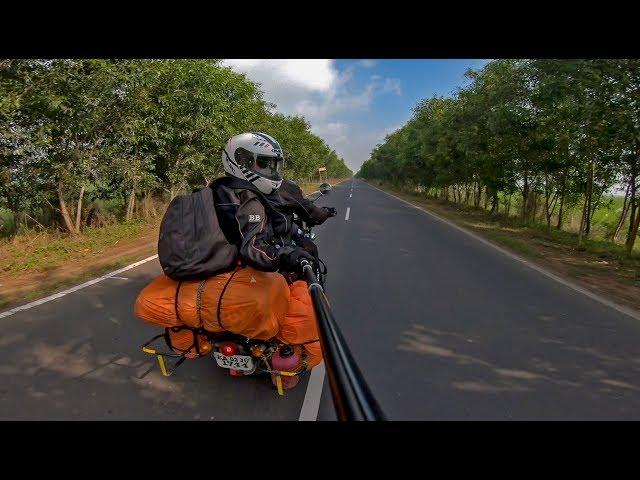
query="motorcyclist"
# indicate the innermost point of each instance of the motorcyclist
(252, 211)
(291, 200)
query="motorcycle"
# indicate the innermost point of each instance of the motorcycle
(243, 356)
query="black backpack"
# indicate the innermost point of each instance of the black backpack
(192, 244)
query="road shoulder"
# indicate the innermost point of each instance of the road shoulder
(582, 271)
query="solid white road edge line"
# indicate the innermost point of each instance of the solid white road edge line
(311, 403)
(594, 296)
(74, 289)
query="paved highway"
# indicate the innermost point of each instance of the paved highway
(443, 326)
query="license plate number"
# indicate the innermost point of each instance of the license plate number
(236, 362)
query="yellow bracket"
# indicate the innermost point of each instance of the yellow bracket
(279, 375)
(163, 366)
(161, 361)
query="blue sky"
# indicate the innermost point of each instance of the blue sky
(353, 104)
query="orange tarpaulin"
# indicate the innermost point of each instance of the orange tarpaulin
(299, 325)
(182, 341)
(255, 304)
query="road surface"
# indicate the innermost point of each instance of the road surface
(442, 325)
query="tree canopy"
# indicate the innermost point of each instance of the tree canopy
(85, 130)
(551, 132)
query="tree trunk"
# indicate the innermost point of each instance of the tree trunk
(587, 204)
(634, 233)
(65, 212)
(585, 210)
(494, 201)
(547, 208)
(560, 213)
(525, 198)
(582, 221)
(589, 199)
(79, 209)
(623, 215)
(596, 203)
(635, 211)
(132, 200)
(562, 193)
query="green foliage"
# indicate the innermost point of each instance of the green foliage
(551, 133)
(75, 134)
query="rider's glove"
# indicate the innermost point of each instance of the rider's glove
(290, 259)
(332, 211)
(307, 245)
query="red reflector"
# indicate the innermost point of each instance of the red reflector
(228, 349)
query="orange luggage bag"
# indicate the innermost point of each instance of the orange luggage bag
(252, 303)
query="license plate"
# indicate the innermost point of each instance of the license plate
(236, 362)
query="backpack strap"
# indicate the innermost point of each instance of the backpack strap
(175, 301)
(219, 309)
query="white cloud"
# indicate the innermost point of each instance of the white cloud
(356, 142)
(392, 85)
(313, 74)
(318, 91)
(338, 131)
(367, 63)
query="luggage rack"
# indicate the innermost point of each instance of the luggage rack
(160, 356)
(181, 357)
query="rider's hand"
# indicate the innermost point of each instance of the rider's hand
(332, 211)
(290, 260)
(307, 245)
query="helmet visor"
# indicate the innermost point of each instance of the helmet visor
(268, 166)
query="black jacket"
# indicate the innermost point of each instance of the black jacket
(262, 227)
(290, 199)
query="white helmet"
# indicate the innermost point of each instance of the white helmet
(255, 157)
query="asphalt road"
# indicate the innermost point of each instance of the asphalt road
(442, 326)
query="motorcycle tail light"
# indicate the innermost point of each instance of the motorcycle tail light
(228, 349)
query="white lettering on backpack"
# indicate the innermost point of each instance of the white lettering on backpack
(254, 218)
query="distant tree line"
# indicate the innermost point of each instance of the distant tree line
(549, 134)
(77, 132)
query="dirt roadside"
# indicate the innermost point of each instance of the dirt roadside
(17, 288)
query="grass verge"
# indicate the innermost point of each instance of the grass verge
(35, 264)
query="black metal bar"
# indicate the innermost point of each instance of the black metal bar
(352, 398)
